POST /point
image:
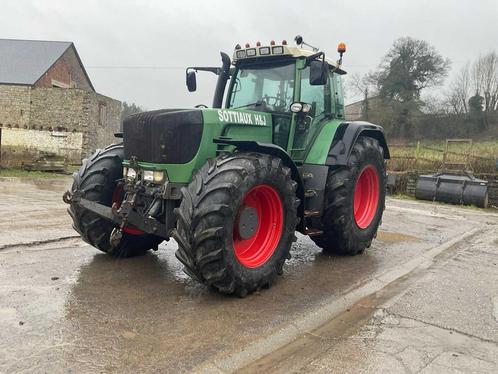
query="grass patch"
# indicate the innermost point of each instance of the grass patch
(21, 173)
(401, 196)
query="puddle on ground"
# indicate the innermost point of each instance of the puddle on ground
(395, 237)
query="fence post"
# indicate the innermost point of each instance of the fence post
(417, 153)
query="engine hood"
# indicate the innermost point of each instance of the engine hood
(166, 136)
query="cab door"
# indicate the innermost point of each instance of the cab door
(307, 124)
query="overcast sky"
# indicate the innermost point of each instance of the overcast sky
(137, 51)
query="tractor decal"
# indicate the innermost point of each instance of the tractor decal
(241, 117)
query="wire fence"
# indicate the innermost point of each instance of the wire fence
(462, 156)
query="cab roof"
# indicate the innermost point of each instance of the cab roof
(242, 54)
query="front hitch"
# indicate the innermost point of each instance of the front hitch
(126, 214)
(115, 238)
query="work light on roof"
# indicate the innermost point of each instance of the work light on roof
(251, 52)
(277, 50)
(264, 51)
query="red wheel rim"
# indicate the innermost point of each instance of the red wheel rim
(256, 250)
(117, 199)
(366, 197)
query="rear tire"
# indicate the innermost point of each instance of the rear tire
(210, 217)
(349, 226)
(97, 179)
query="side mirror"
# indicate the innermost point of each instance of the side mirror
(318, 72)
(191, 81)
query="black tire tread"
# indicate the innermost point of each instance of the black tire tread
(337, 221)
(206, 208)
(97, 179)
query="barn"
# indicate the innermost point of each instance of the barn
(48, 104)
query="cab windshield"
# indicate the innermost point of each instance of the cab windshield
(263, 88)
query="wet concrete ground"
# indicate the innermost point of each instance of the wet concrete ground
(32, 210)
(64, 307)
(442, 319)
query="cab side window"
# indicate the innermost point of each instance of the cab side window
(314, 95)
(337, 94)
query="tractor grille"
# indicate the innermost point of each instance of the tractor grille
(167, 136)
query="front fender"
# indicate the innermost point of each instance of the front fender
(274, 150)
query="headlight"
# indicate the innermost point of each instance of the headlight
(306, 107)
(131, 173)
(241, 54)
(148, 175)
(296, 107)
(158, 176)
(251, 52)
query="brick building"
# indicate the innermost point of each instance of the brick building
(48, 104)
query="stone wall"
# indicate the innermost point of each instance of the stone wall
(20, 146)
(492, 187)
(54, 110)
(15, 105)
(104, 122)
(58, 108)
(357, 111)
(354, 111)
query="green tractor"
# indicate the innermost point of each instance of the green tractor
(233, 183)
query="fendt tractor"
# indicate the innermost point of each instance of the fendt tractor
(233, 183)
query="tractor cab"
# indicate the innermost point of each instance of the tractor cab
(297, 86)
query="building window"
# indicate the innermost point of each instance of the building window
(102, 114)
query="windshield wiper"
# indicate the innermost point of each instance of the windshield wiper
(257, 103)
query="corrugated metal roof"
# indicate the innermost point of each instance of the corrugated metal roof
(25, 61)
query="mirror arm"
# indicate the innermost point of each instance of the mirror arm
(204, 68)
(314, 57)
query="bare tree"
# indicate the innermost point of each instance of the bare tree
(459, 91)
(485, 80)
(364, 86)
(479, 80)
(435, 105)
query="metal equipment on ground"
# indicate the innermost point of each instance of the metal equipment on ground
(452, 185)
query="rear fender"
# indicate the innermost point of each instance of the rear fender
(346, 136)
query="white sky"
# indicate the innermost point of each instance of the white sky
(120, 40)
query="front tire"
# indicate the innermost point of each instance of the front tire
(354, 201)
(236, 222)
(98, 180)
